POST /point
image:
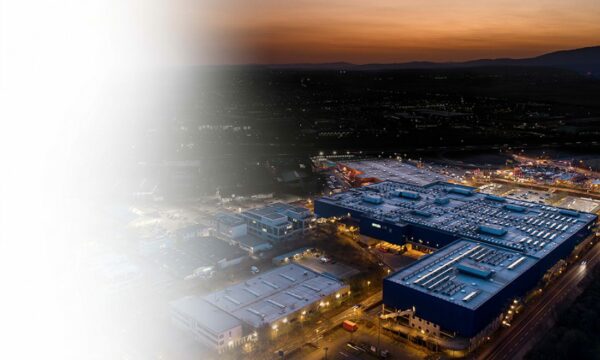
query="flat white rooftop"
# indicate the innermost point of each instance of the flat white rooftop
(205, 315)
(269, 297)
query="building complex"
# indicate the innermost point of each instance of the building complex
(491, 249)
(274, 222)
(277, 221)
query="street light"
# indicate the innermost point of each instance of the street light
(379, 335)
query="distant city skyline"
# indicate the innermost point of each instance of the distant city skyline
(270, 32)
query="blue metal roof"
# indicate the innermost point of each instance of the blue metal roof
(466, 272)
(492, 248)
(531, 228)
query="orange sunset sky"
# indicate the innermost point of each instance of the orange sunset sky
(361, 31)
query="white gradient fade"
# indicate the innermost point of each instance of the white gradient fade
(60, 63)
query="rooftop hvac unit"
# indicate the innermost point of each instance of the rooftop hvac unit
(569, 212)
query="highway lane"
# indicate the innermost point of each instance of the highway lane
(512, 341)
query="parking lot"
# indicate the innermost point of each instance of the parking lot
(580, 204)
(367, 335)
(542, 197)
(539, 197)
(393, 169)
(495, 188)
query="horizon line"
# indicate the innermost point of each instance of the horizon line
(387, 63)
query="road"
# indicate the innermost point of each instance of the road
(334, 322)
(511, 343)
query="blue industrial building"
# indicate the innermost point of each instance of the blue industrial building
(493, 249)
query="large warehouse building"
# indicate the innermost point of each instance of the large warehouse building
(276, 299)
(493, 249)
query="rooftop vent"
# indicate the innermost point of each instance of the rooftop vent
(442, 201)
(373, 199)
(461, 191)
(407, 194)
(569, 212)
(471, 295)
(516, 263)
(471, 270)
(495, 198)
(515, 208)
(492, 230)
(421, 213)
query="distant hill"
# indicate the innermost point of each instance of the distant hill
(584, 61)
